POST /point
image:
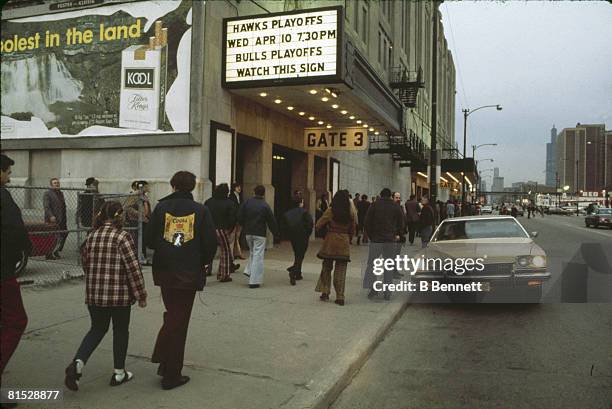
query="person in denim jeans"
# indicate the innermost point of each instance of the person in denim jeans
(254, 215)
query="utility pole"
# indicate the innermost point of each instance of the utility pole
(557, 187)
(466, 112)
(577, 191)
(433, 159)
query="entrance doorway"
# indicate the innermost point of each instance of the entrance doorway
(248, 151)
(281, 180)
(289, 173)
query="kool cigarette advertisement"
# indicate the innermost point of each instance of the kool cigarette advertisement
(119, 69)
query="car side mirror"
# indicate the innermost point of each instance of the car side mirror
(534, 234)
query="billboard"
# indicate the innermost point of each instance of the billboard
(282, 47)
(115, 69)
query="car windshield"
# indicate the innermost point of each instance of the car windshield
(479, 229)
(604, 211)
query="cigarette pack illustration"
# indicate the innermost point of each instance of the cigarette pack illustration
(143, 83)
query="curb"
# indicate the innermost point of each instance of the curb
(327, 384)
(50, 279)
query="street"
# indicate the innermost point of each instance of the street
(550, 355)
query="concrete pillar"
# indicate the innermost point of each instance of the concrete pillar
(265, 161)
(310, 193)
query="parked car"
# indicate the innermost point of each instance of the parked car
(600, 217)
(43, 243)
(486, 209)
(573, 210)
(513, 260)
(558, 210)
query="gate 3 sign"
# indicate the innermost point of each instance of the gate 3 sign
(348, 139)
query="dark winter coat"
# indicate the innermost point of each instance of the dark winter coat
(299, 224)
(254, 215)
(15, 238)
(182, 233)
(224, 212)
(55, 206)
(428, 217)
(384, 221)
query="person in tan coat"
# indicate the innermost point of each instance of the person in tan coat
(340, 224)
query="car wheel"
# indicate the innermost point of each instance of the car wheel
(21, 264)
(587, 225)
(532, 295)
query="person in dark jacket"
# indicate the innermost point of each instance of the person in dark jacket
(299, 227)
(182, 233)
(89, 202)
(224, 215)
(412, 217)
(15, 241)
(254, 215)
(362, 209)
(55, 213)
(384, 223)
(427, 220)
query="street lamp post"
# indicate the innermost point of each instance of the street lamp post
(474, 147)
(466, 113)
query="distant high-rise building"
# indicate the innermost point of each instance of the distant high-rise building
(583, 158)
(497, 186)
(551, 159)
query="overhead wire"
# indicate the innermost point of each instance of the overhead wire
(458, 64)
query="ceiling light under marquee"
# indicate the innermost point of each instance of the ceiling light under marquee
(371, 129)
(290, 108)
(278, 101)
(312, 118)
(328, 126)
(335, 106)
(301, 113)
(312, 91)
(263, 94)
(358, 121)
(352, 117)
(320, 122)
(324, 99)
(344, 112)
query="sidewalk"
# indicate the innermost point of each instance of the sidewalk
(273, 347)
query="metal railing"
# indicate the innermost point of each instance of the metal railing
(58, 224)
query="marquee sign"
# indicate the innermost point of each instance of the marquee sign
(280, 48)
(346, 139)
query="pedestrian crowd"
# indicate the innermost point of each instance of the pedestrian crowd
(184, 236)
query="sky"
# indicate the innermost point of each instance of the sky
(544, 62)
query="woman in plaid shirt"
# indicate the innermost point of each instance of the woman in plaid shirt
(113, 282)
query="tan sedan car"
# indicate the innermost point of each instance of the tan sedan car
(495, 251)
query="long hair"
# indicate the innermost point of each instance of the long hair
(109, 212)
(341, 208)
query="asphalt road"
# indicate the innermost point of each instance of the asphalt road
(553, 355)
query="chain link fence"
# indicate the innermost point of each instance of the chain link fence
(58, 222)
